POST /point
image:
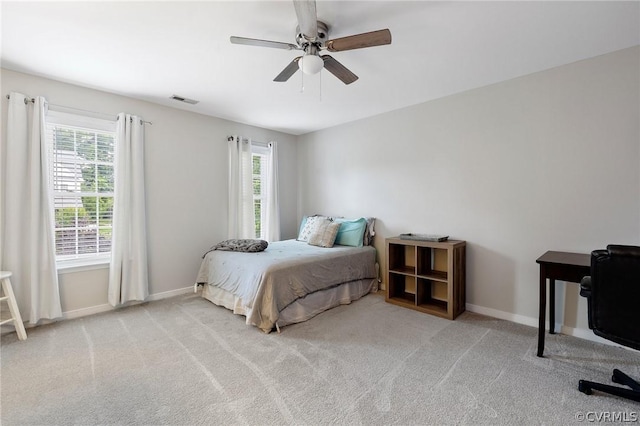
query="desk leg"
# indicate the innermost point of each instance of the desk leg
(552, 306)
(542, 310)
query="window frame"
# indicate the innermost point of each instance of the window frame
(72, 263)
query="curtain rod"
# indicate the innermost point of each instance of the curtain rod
(26, 100)
(131, 120)
(263, 144)
(32, 100)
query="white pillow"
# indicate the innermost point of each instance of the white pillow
(309, 227)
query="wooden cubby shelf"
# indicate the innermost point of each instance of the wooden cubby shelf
(427, 276)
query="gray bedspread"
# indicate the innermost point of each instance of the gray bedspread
(268, 281)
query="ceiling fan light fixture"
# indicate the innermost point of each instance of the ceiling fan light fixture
(311, 37)
(311, 64)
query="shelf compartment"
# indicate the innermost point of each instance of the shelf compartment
(402, 258)
(402, 288)
(432, 295)
(435, 307)
(432, 262)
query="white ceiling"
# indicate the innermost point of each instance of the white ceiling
(152, 50)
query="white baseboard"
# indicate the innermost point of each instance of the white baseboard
(580, 333)
(170, 293)
(587, 334)
(519, 319)
(83, 312)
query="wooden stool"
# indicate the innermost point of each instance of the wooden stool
(13, 306)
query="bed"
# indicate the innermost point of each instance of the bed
(290, 281)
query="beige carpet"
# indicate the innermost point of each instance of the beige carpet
(185, 361)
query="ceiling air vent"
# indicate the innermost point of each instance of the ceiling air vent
(185, 100)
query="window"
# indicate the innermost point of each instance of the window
(259, 163)
(82, 179)
(253, 190)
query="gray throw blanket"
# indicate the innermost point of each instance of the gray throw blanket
(243, 245)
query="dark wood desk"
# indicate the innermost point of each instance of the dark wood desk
(557, 265)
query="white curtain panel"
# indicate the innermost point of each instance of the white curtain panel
(272, 227)
(241, 209)
(128, 272)
(27, 244)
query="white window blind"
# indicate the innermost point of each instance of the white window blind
(259, 162)
(82, 178)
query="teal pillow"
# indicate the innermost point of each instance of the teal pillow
(303, 222)
(351, 232)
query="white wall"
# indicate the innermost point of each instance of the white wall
(548, 161)
(186, 177)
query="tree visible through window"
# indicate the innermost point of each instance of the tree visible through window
(259, 190)
(83, 184)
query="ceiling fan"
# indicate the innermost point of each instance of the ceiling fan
(311, 37)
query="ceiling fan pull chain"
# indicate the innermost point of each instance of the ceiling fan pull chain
(301, 81)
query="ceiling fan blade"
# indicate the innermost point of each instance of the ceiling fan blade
(358, 41)
(339, 70)
(307, 18)
(288, 71)
(263, 43)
